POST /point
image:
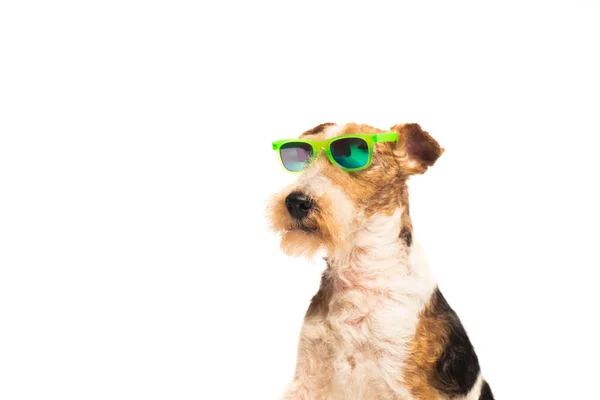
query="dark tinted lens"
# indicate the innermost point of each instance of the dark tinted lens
(350, 153)
(295, 156)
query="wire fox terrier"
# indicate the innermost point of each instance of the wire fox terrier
(378, 327)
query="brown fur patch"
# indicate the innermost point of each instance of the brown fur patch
(375, 188)
(319, 304)
(407, 228)
(425, 349)
(417, 150)
(406, 236)
(442, 358)
(317, 129)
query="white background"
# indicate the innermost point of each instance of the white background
(135, 162)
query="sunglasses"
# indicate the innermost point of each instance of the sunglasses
(349, 152)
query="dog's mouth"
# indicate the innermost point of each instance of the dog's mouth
(307, 229)
(303, 227)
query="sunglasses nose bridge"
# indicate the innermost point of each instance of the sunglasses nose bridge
(325, 149)
(319, 153)
(317, 149)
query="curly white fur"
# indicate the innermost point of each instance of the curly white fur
(380, 288)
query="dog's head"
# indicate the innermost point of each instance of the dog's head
(326, 204)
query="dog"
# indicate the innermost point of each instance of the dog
(378, 327)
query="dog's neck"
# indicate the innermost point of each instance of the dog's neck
(377, 253)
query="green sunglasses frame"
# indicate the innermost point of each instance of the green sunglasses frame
(318, 145)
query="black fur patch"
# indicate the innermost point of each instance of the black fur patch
(457, 369)
(406, 236)
(486, 392)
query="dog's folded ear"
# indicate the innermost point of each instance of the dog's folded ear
(416, 150)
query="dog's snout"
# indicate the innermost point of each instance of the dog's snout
(298, 204)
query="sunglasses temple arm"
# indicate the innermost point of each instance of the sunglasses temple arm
(385, 137)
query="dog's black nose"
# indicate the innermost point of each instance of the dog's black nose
(298, 204)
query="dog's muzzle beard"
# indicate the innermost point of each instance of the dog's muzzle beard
(298, 218)
(307, 224)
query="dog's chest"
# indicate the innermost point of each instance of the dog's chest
(369, 328)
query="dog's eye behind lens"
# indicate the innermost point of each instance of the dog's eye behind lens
(341, 148)
(295, 156)
(350, 153)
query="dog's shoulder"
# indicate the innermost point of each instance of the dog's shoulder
(442, 358)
